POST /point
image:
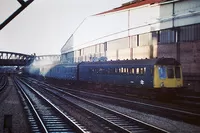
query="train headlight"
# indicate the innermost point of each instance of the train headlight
(162, 84)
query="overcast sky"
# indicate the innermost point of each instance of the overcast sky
(45, 25)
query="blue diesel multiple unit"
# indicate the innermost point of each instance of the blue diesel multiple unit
(146, 73)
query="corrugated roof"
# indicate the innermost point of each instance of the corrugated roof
(131, 4)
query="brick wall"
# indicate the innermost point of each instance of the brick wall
(165, 50)
(190, 60)
(190, 57)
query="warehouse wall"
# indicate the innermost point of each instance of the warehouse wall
(104, 28)
(148, 31)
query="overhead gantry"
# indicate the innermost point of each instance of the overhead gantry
(50, 58)
(15, 59)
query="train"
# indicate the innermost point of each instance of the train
(158, 74)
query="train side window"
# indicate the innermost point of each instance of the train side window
(141, 71)
(113, 70)
(124, 70)
(104, 70)
(144, 70)
(162, 72)
(170, 72)
(177, 72)
(92, 70)
(100, 70)
(137, 71)
(116, 70)
(58, 70)
(97, 70)
(132, 70)
(129, 71)
(110, 71)
(121, 70)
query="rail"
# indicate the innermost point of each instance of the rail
(120, 122)
(43, 114)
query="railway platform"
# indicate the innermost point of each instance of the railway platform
(12, 117)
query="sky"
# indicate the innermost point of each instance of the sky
(45, 25)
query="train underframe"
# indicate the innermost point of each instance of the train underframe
(165, 94)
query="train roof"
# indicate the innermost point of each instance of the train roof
(155, 61)
(66, 65)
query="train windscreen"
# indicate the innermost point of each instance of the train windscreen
(162, 72)
(170, 72)
(177, 72)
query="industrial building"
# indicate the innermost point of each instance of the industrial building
(140, 29)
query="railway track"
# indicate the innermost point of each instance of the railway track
(186, 114)
(190, 98)
(172, 111)
(182, 100)
(117, 121)
(43, 115)
(189, 101)
(3, 82)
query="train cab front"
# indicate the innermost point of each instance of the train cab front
(168, 79)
